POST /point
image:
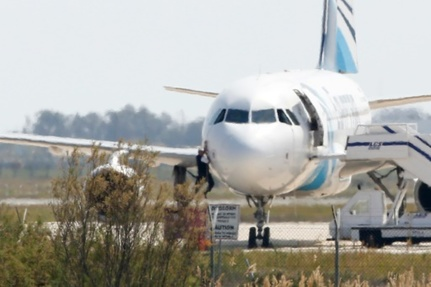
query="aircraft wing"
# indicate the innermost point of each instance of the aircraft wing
(61, 145)
(377, 104)
(191, 92)
(384, 103)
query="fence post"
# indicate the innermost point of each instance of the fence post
(336, 215)
(213, 222)
(219, 259)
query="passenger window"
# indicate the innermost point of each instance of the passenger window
(282, 118)
(263, 116)
(292, 117)
(220, 116)
(237, 116)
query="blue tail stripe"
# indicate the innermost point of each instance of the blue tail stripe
(338, 44)
(345, 61)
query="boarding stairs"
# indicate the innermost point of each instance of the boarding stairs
(397, 143)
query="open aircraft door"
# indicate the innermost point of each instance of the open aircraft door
(316, 126)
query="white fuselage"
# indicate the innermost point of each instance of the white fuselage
(261, 135)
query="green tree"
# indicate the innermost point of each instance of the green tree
(50, 123)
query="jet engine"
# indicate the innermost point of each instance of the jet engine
(111, 180)
(422, 194)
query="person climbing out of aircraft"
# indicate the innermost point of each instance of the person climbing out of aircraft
(202, 163)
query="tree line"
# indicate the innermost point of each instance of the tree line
(129, 123)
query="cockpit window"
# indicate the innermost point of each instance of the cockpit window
(237, 116)
(282, 118)
(263, 116)
(292, 117)
(220, 116)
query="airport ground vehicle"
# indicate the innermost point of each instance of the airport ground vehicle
(366, 218)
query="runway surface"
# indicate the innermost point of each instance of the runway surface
(285, 236)
(309, 236)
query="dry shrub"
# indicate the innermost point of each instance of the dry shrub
(407, 279)
(317, 279)
(111, 225)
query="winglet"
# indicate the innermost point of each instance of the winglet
(338, 45)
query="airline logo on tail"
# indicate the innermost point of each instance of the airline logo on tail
(338, 47)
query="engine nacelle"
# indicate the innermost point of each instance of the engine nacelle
(107, 179)
(113, 174)
(422, 194)
(110, 168)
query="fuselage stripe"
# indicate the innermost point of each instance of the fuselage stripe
(318, 178)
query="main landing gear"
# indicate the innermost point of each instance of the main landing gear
(399, 198)
(261, 217)
(378, 179)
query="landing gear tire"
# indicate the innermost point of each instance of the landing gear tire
(414, 241)
(265, 239)
(252, 238)
(372, 238)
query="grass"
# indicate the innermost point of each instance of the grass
(25, 188)
(282, 213)
(369, 265)
(42, 213)
(278, 213)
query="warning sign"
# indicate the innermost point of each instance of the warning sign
(227, 221)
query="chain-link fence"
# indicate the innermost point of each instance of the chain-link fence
(301, 248)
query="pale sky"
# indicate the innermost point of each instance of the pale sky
(81, 56)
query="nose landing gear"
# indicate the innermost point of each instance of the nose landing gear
(261, 217)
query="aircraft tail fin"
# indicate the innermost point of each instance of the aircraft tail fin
(338, 45)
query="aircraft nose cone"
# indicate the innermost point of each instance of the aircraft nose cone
(250, 160)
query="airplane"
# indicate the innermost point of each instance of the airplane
(275, 134)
